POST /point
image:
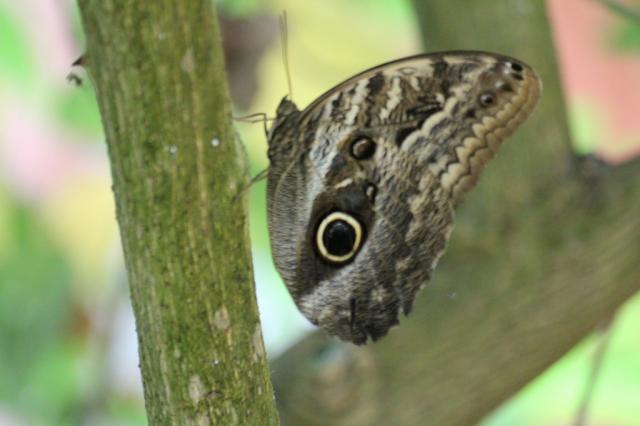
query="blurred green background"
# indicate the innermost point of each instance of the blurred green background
(68, 350)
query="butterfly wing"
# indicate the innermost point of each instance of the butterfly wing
(363, 182)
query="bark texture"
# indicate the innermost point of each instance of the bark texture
(177, 173)
(545, 248)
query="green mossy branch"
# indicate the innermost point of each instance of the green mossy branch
(177, 169)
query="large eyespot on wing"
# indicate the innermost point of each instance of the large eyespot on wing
(338, 237)
(430, 116)
(357, 287)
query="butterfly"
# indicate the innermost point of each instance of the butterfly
(363, 182)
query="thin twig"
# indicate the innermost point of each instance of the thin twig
(594, 373)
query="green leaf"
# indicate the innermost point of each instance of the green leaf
(51, 393)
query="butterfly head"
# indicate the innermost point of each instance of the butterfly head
(286, 107)
(279, 136)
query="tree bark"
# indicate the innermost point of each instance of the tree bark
(178, 173)
(545, 248)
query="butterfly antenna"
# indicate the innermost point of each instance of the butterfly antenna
(257, 178)
(284, 35)
(258, 117)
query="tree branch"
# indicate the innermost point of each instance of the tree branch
(177, 171)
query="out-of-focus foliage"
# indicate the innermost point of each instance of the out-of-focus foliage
(241, 8)
(15, 60)
(35, 307)
(626, 37)
(67, 347)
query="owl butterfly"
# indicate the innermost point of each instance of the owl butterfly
(362, 183)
